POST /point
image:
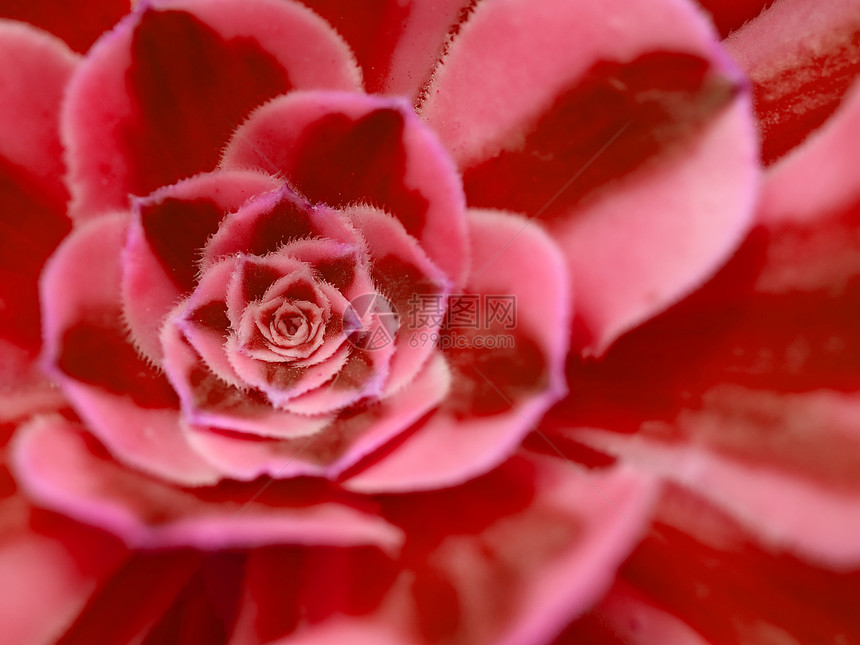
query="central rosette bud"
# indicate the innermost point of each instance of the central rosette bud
(281, 321)
(277, 322)
(288, 322)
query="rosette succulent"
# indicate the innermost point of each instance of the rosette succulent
(428, 322)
